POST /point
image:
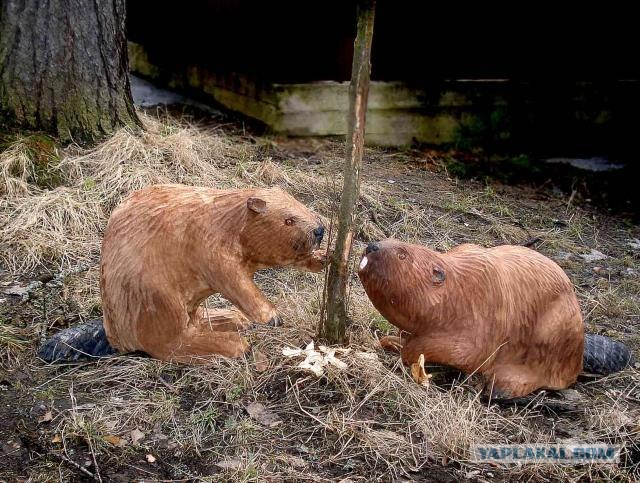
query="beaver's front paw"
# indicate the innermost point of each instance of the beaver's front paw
(392, 343)
(318, 260)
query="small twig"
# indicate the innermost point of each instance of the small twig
(93, 455)
(344, 446)
(573, 194)
(169, 387)
(76, 465)
(145, 471)
(65, 458)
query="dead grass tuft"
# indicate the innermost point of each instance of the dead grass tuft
(16, 169)
(13, 341)
(64, 225)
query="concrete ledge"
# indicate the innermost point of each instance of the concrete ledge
(397, 114)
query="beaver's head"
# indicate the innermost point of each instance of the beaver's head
(279, 230)
(404, 282)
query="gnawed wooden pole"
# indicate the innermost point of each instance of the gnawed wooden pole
(332, 327)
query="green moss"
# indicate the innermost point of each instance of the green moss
(139, 61)
(43, 153)
(382, 324)
(89, 184)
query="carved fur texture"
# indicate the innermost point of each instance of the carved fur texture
(508, 313)
(168, 247)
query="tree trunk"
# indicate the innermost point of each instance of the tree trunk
(64, 67)
(332, 328)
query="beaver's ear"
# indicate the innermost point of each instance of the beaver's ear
(438, 275)
(256, 204)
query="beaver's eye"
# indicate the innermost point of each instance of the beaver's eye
(289, 221)
(402, 255)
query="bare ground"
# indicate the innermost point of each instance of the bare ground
(131, 417)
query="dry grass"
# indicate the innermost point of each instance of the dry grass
(65, 224)
(376, 414)
(13, 340)
(369, 422)
(16, 169)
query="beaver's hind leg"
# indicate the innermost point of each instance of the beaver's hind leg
(214, 332)
(220, 319)
(510, 381)
(449, 351)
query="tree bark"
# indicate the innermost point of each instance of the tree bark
(64, 67)
(333, 327)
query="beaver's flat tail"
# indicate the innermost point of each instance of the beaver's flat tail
(605, 356)
(77, 343)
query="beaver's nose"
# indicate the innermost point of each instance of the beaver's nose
(319, 233)
(372, 247)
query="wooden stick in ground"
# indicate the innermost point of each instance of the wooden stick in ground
(332, 327)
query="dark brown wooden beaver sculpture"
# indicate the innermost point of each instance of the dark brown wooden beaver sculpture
(508, 313)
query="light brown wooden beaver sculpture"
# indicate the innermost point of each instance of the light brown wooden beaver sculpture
(508, 312)
(167, 248)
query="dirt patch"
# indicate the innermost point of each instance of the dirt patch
(370, 421)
